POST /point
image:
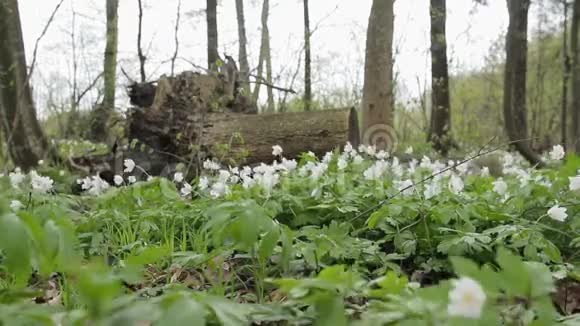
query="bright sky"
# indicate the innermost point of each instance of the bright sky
(337, 45)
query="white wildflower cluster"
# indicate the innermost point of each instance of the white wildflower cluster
(16, 205)
(574, 183)
(38, 183)
(557, 153)
(93, 185)
(16, 178)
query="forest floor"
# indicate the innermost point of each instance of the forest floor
(352, 238)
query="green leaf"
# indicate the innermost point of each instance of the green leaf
(515, 277)
(543, 283)
(330, 311)
(149, 255)
(15, 244)
(552, 252)
(464, 267)
(183, 311)
(390, 284)
(267, 244)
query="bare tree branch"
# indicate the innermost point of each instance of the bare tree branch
(262, 81)
(178, 18)
(40, 37)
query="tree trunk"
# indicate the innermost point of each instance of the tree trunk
(102, 113)
(242, 52)
(268, 59)
(514, 102)
(24, 137)
(237, 138)
(440, 130)
(307, 60)
(575, 49)
(212, 34)
(377, 103)
(566, 71)
(140, 54)
(265, 43)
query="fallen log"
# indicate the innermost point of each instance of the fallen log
(245, 139)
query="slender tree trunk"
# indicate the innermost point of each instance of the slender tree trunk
(377, 102)
(243, 42)
(176, 38)
(103, 112)
(142, 58)
(268, 60)
(565, 80)
(212, 34)
(575, 49)
(514, 101)
(265, 43)
(440, 130)
(24, 137)
(307, 60)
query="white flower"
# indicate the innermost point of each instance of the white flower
(118, 180)
(466, 299)
(317, 171)
(211, 165)
(557, 153)
(247, 181)
(61, 173)
(178, 177)
(456, 184)
(203, 183)
(39, 183)
(186, 190)
(500, 187)
(16, 205)
(357, 159)
(431, 190)
(574, 183)
(16, 178)
(219, 189)
(268, 181)
(342, 163)
(289, 165)
(381, 155)
(463, 168)
(508, 159)
(246, 170)
(41, 162)
(93, 185)
(484, 171)
(348, 148)
(129, 165)
(412, 166)
(409, 150)
(405, 186)
(375, 171)
(371, 150)
(327, 157)
(558, 213)
(277, 150)
(224, 176)
(132, 179)
(311, 154)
